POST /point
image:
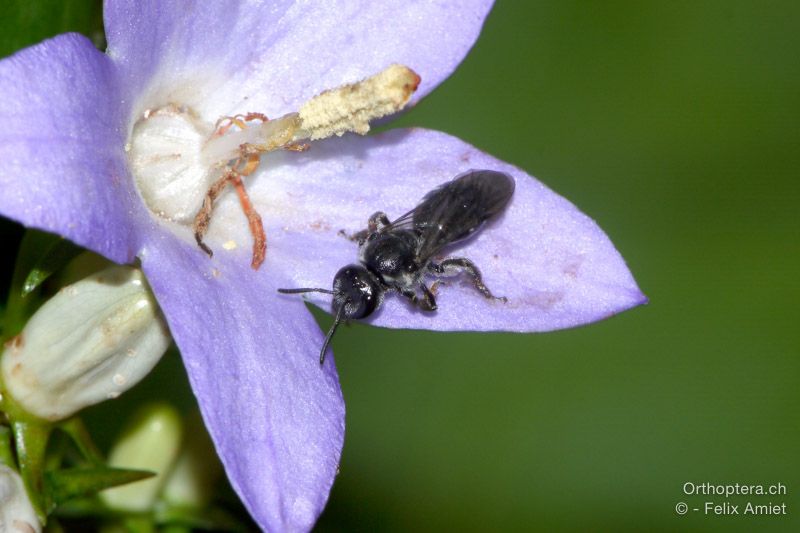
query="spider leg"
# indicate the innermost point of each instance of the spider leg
(224, 124)
(203, 217)
(297, 147)
(253, 218)
(244, 165)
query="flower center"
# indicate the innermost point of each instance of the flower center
(181, 164)
(165, 157)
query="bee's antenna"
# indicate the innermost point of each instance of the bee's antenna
(331, 331)
(295, 291)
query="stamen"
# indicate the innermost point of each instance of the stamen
(352, 107)
(265, 137)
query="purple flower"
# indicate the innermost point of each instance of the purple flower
(276, 417)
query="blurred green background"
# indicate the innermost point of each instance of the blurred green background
(675, 126)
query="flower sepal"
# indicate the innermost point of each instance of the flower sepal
(67, 484)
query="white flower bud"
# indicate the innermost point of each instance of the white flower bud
(194, 479)
(16, 512)
(150, 441)
(92, 341)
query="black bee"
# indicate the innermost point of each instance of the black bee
(398, 255)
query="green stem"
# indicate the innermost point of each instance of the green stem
(76, 429)
(6, 452)
(139, 523)
(31, 440)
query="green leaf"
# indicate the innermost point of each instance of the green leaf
(55, 256)
(178, 518)
(63, 485)
(26, 22)
(41, 252)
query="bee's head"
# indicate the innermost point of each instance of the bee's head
(357, 293)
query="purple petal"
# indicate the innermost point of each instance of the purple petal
(271, 56)
(554, 264)
(276, 417)
(62, 167)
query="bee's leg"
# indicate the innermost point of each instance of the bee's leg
(435, 286)
(454, 266)
(359, 236)
(428, 301)
(377, 221)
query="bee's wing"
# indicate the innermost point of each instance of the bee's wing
(458, 208)
(406, 221)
